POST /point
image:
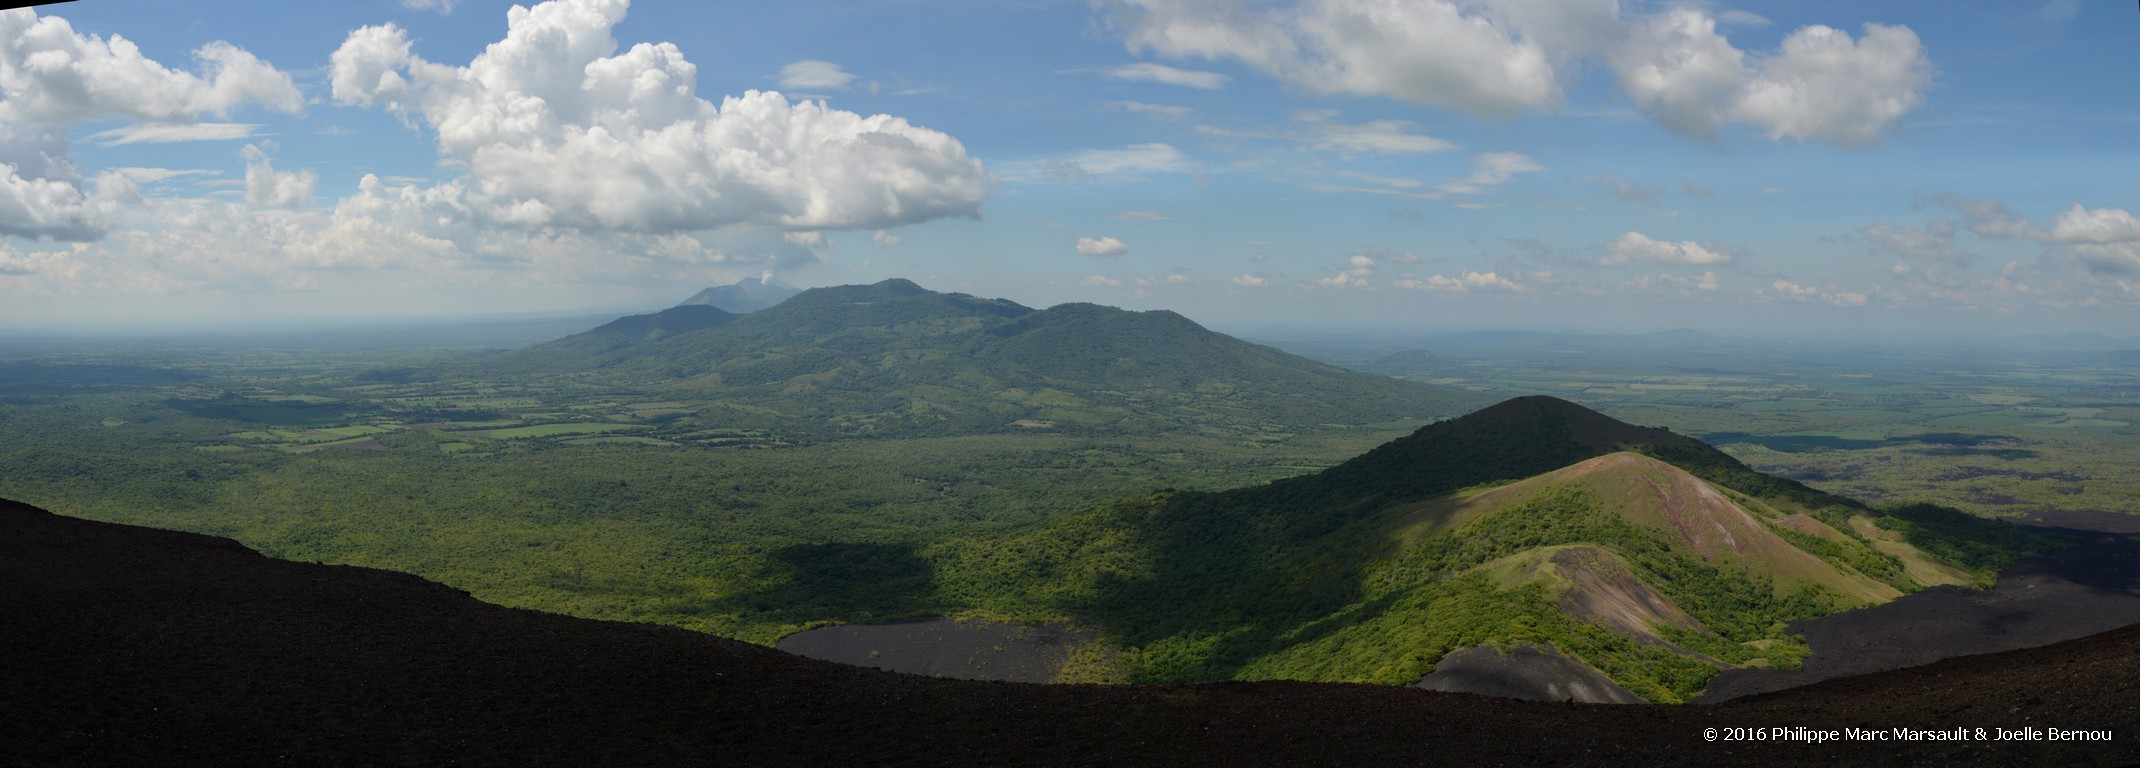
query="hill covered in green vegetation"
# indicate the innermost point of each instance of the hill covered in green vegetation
(895, 359)
(1648, 555)
(618, 334)
(745, 296)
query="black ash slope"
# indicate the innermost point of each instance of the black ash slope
(133, 646)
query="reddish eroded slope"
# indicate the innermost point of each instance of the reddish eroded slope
(1602, 591)
(1688, 511)
(133, 646)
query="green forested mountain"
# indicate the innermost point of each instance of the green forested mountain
(747, 295)
(894, 358)
(621, 333)
(1649, 555)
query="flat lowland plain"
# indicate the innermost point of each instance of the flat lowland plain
(566, 493)
(575, 494)
(1996, 431)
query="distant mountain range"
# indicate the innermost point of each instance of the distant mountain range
(893, 358)
(748, 295)
(1649, 556)
(1401, 361)
(2090, 341)
(632, 330)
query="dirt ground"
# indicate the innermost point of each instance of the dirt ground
(130, 646)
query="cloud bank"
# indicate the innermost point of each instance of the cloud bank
(1497, 58)
(52, 77)
(558, 128)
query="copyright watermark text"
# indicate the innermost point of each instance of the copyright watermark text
(1803, 735)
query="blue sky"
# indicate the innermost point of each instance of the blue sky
(1903, 167)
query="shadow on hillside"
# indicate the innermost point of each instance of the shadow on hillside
(1228, 583)
(2104, 561)
(853, 582)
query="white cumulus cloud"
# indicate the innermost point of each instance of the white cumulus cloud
(2103, 240)
(1427, 52)
(557, 127)
(1820, 84)
(1824, 85)
(1359, 272)
(1104, 246)
(66, 208)
(1634, 246)
(269, 188)
(2097, 226)
(1248, 281)
(52, 77)
(1463, 283)
(1831, 294)
(1496, 58)
(14, 263)
(1679, 71)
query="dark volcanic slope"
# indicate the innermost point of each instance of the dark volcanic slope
(967, 650)
(1525, 672)
(132, 646)
(2090, 586)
